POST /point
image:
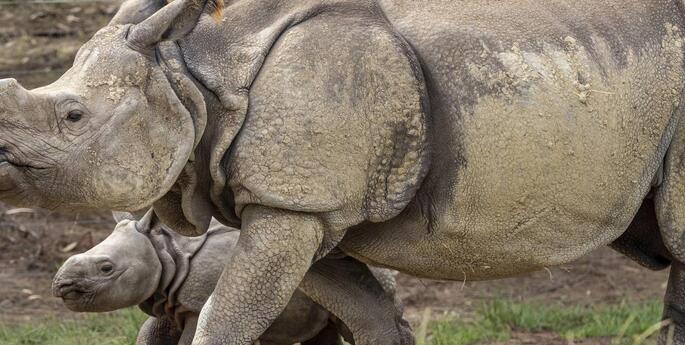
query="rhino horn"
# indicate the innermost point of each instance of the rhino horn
(172, 22)
(149, 220)
(12, 97)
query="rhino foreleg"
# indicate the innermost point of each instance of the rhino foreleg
(275, 250)
(670, 211)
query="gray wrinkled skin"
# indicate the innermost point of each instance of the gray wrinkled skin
(171, 277)
(462, 140)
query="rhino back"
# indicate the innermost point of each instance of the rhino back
(549, 121)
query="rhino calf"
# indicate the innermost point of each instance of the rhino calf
(171, 277)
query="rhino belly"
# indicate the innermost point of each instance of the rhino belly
(545, 137)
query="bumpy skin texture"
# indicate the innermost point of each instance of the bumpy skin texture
(674, 310)
(370, 286)
(545, 142)
(177, 275)
(158, 331)
(460, 140)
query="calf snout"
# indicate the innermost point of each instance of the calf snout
(62, 287)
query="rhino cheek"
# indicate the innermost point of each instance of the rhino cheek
(140, 158)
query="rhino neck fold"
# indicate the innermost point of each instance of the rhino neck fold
(175, 253)
(225, 59)
(187, 207)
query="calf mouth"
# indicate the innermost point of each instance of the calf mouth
(69, 290)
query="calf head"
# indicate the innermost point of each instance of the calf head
(111, 132)
(122, 271)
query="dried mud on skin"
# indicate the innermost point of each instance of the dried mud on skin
(38, 42)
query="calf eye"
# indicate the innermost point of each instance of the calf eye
(106, 268)
(74, 115)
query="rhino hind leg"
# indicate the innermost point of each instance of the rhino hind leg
(351, 292)
(669, 199)
(674, 307)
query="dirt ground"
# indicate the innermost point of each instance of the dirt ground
(38, 42)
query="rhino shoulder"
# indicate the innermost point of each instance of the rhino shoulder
(336, 124)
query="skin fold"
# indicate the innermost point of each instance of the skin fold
(462, 140)
(171, 277)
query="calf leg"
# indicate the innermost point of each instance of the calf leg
(158, 331)
(327, 336)
(349, 290)
(188, 331)
(674, 307)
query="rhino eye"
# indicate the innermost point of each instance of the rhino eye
(74, 116)
(106, 268)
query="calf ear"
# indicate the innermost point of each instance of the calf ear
(136, 11)
(173, 21)
(148, 222)
(119, 216)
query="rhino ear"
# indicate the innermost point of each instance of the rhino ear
(173, 21)
(136, 11)
(148, 222)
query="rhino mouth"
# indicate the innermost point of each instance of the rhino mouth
(7, 160)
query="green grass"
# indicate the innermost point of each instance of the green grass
(492, 321)
(495, 321)
(118, 328)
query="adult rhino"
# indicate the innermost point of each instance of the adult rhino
(457, 140)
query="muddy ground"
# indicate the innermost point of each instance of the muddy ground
(38, 42)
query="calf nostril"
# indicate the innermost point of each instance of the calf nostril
(62, 285)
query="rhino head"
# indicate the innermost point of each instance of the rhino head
(122, 271)
(111, 133)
